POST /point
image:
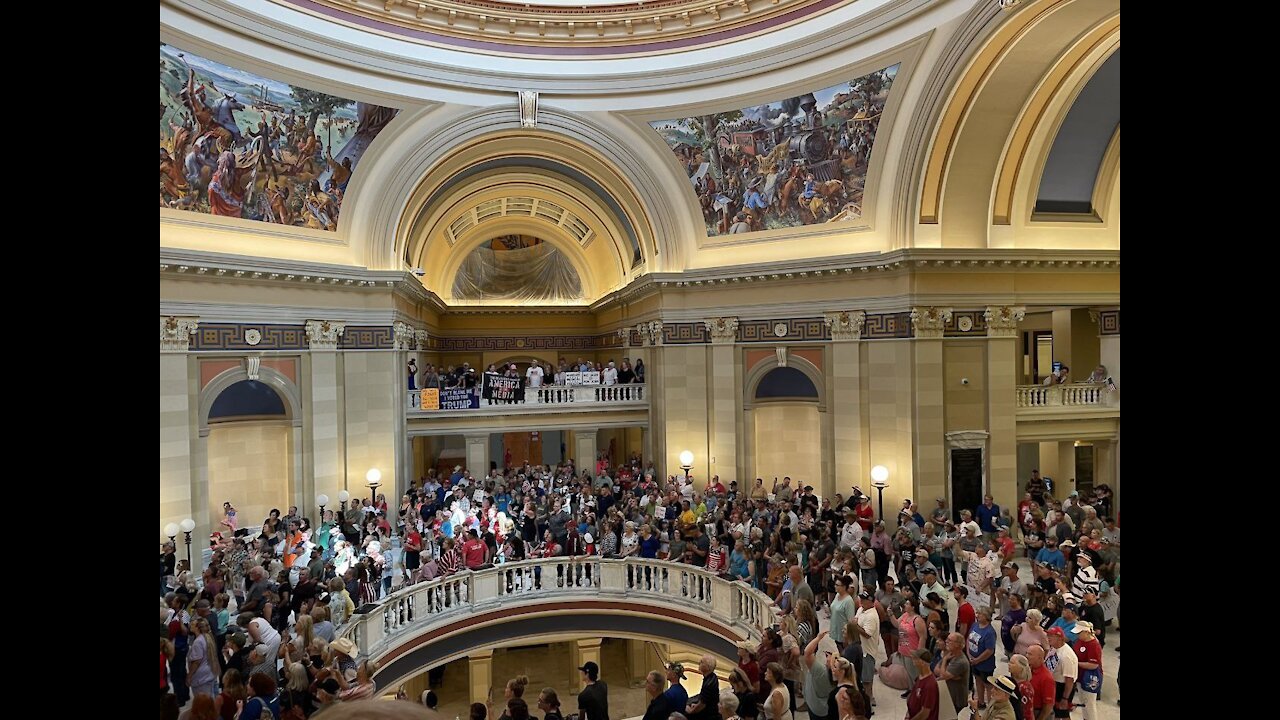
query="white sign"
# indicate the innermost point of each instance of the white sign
(582, 378)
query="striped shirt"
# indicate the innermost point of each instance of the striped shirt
(1086, 579)
(450, 562)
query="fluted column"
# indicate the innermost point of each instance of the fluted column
(848, 432)
(1003, 362)
(325, 442)
(725, 399)
(930, 445)
(177, 432)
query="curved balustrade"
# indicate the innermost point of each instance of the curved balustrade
(551, 395)
(418, 608)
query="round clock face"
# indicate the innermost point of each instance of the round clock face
(252, 336)
(965, 323)
(780, 329)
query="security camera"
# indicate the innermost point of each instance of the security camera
(419, 271)
(964, 381)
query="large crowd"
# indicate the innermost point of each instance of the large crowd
(923, 607)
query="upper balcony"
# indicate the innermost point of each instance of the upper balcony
(462, 402)
(1074, 411)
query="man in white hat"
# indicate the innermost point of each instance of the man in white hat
(1086, 576)
(1000, 707)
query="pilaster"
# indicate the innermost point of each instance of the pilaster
(725, 400)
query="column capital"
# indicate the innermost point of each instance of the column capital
(1002, 320)
(650, 333)
(845, 324)
(404, 336)
(175, 333)
(324, 334)
(930, 322)
(723, 330)
(420, 338)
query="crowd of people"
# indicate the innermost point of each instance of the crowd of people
(536, 375)
(889, 595)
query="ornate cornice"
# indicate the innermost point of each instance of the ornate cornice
(324, 334)
(625, 26)
(1003, 321)
(175, 333)
(722, 330)
(930, 323)
(845, 324)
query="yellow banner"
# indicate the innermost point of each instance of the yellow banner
(431, 399)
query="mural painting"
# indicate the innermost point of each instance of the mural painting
(517, 268)
(238, 145)
(798, 161)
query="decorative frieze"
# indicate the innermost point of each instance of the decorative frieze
(650, 333)
(930, 323)
(845, 325)
(176, 332)
(1002, 320)
(324, 334)
(1109, 322)
(421, 339)
(722, 330)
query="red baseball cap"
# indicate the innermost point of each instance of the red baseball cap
(1056, 631)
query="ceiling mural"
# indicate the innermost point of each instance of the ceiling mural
(517, 269)
(239, 145)
(798, 161)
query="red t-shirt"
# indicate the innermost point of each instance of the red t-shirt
(1027, 692)
(1090, 652)
(1007, 547)
(752, 671)
(865, 516)
(966, 615)
(924, 694)
(473, 552)
(1042, 681)
(415, 540)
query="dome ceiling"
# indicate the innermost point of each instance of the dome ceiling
(568, 28)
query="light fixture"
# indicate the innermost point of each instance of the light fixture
(171, 530)
(374, 479)
(187, 526)
(322, 500)
(880, 481)
(686, 463)
(343, 497)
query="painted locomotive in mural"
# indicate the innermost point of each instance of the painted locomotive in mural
(798, 161)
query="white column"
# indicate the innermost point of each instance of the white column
(584, 451)
(478, 454)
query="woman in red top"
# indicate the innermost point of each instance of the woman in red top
(1089, 654)
(717, 558)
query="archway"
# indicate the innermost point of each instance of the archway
(251, 429)
(785, 420)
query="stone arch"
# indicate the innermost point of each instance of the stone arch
(274, 379)
(752, 381)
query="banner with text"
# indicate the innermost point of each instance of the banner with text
(503, 389)
(458, 399)
(431, 399)
(582, 378)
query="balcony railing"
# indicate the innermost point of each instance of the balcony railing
(1066, 396)
(416, 609)
(547, 395)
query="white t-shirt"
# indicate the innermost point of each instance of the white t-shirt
(869, 620)
(610, 375)
(1063, 663)
(534, 374)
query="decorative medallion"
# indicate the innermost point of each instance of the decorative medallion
(965, 323)
(252, 336)
(780, 329)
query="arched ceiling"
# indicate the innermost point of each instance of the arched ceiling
(1071, 172)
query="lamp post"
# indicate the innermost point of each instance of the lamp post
(879, 480)
(343, 497)
(686, 463)
(172, 531)
(187, 526)
(374, 479)
(322, 500)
